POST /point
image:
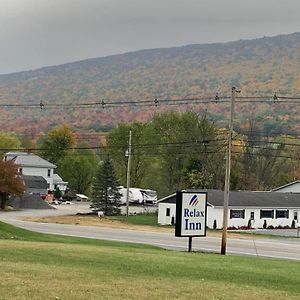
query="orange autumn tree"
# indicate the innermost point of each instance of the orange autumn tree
(10, 181)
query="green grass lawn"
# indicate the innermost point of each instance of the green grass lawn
(150, 219)
(138, 219)
(41, 266)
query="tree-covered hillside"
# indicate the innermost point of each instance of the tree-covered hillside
(259, 67)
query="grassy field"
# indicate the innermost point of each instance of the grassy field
(40, 266)
(146, 222)
(141, 222)
(138, 219)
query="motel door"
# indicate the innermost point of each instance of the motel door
(296, 216)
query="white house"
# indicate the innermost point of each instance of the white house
(276, 209)
(292, 187)
(59, 183)
(31, 164)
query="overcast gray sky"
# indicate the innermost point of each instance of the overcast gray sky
(37, 33)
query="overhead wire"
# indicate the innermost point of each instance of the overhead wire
(157, 102)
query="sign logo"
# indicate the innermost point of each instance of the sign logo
(194, 201)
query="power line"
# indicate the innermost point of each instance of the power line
(157, 102)
(137, 146)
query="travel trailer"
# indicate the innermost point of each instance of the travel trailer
(138, 196)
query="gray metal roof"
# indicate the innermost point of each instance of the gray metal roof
(58, 180)
(24, 159)
(35, 182)
(246, 198)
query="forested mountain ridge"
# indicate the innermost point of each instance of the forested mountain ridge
(260, 66)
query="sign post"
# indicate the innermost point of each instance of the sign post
(191, 212)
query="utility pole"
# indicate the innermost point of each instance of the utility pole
(227, 172)
(128, 173)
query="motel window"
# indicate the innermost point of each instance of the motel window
(237, 214)
(49, 172)
(168, 211)
(266, 214)
(282, 214)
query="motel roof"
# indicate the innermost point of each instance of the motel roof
(245, 199)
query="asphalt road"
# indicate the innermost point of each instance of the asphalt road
(285, 248)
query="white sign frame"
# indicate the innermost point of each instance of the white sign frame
(191, 214)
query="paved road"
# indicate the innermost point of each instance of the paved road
(279, 232)
(274, 248)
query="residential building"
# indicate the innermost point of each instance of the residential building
(33, 165)
(259, 208)
(59, 183)
(292, 187)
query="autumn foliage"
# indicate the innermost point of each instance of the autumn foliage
(10, 181)
(258, 67)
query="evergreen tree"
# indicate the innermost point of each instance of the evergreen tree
(105, 191)
(57, 193)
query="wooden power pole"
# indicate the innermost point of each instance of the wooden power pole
(227, 173)
(128, 173)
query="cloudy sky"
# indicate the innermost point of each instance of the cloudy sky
(37, 33)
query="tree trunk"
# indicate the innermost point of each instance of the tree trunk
(3, 198)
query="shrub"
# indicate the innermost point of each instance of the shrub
(249, 224)
(231, 228)
(293, 226)
(270, 227)
(57, 193)
(215, 224)
(265, 224)
(243, 228)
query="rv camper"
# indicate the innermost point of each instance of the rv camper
(138, 196)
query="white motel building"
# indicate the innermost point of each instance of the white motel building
(273, 208)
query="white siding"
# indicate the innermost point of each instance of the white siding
(216, 213)
(293, 188)
(163, 219)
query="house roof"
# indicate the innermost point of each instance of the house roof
(35, 182)
(58, 180)
(245, 199)
(24, 159)
(286, 185)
